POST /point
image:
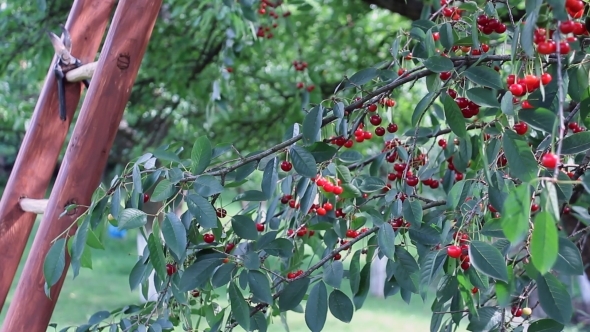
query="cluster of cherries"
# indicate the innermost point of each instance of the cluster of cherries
(301, 66)
(293, 275)
(575, 127)
(309, 88)
(265, 32)
(328, 186)
(398, 223)
(460, 251)
(468, 108)
(488, 25)
(301, 232)
(458, 175)
(321, 210)
(353, 233)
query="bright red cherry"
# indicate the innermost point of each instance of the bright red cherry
(337, 190)
(534, 207)
(375, 119)
(209, 238)
(412, 181)
(521, 128)
(392, 128)
(516, 89)
(328, 206)
(516, 311)
(260, 227)
(549, 160)
(372, 108)
(352, 233)
(442, 143)
(546, 78)
(454, 251)
(170, 269)
(321, 211)
(286, 166)
(445, 75)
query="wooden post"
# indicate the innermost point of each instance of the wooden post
(86, 156)
(44, 139)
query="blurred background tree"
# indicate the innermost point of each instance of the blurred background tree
(210, 68)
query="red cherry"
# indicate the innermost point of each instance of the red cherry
(454, 251)
(337, 257)
(328, 206)
(574, 5)
(445, 75)
(526, 104)
(516, 311)
(337, 190)
(351, 233)
(300, 85)
(375, 119)
(367, 135)
(549, 160)
(412, 181)
(547, 47)
(195, 293)
(348, 144)
(209, 238)
(501, 28)
(516, 89)
(229, 247)
(260, 227)
(390, 102)
(170, 269)
(465, 265)
(474, 290)
(442, 143)
(511, 79)
(579, 28)
(458, 176)
(328, 187)
(546, 78)
(452, 93)
(534, 207)
(436, 36)
(146, 198)
(372, 108)
(564, 47)
(521, 128)
(221, 212)
(392, 128)
(379, 131)
(286, 166)
(310, 88)
(566, 27)
(321, 211)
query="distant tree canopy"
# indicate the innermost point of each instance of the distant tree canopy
(201, 74)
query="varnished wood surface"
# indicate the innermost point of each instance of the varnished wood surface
(86, 156)
(44, 139)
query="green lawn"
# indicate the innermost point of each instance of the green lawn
(106, 287)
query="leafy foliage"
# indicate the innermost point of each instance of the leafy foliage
(473, 193)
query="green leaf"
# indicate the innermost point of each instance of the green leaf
(539, 118)
(447, 35)
(341, 306)
(250, 196)
(207, 185)
(515, 213)
(506, 104)
(132, 218)
(333, 273)
(412, 210)
(270, 178)
(239, 307)
(362, 77)
(488, 260)
(354, 272)
(569, 260)
(422, 107)
(164, 190)
(136, 176)
(430, 266)
(554, 298)
(259, 286)
(576, 143)
(438, 64)
(202, 210)
(201, 155)
(55, 262)
(303, 161)
(521, 162)
(244, 227)
(545, 325)
(316, 310)
(198, 274)
(371, 184)
(526, 37)
(344, 173)
(386, 240)
(174, 235)
(483, 97)
(456, 195)
(322, 152)
(279, 247)
(293, 293)
(157, 258)
(544, 242)
(454, 117)
(312, 125)
(223, 275)
(485, 76)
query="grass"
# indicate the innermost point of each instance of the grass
(106, 287)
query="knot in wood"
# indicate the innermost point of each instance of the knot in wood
(123, 61)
